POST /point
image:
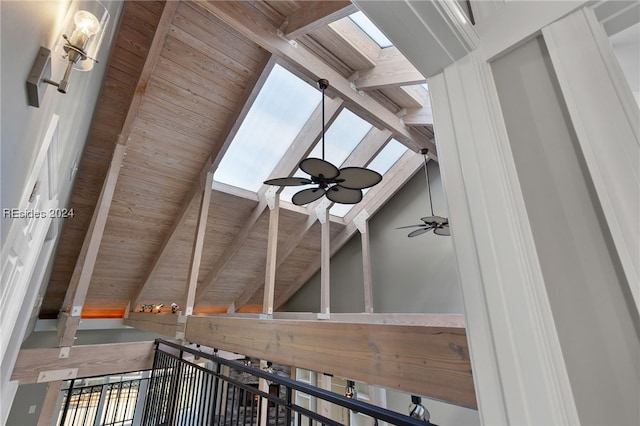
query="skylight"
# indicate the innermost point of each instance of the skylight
(370, 29)
(278, 114)
(340, 139)
(382, 162)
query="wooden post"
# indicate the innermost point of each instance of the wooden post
(362, 222)
(273, 200)
(322, 211)
(50, 403)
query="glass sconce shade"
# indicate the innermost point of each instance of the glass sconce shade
(82, 32)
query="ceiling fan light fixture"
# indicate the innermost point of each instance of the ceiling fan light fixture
(439, 224)
(343, 186)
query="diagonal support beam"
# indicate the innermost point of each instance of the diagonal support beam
(314, 15)
(237, 14)
(83, 271)
(198, 244)
(373, 200)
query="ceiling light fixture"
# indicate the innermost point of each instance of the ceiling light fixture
(342, 186)
(78, 45)
(417, 410)
(440, 225)
(350, 391)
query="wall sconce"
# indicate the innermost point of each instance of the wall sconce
(350, 391)
(417, 410)
(158, 308)
(77, 45)
(174, 308)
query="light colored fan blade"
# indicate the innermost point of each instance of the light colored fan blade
(288, 181)
(411, 226)
(443, 230)
(306, 196)
(339, 194)
(358, 178)
(419, 232)
(434, 220)
(317, 167)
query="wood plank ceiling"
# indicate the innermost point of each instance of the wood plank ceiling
(177, 106)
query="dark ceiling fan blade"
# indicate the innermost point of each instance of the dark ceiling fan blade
(443, 230)
(317, 167)
(434, 220)
(339, 194)
(288, 181)
(307, 196)
(358, 178)
(411, 226)
(419, 232)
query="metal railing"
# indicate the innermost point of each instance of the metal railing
(108, 403)
(182, 392)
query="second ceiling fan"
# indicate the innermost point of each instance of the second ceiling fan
(439, 224)
(342, 186)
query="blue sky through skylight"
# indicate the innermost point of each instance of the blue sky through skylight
(370, 29)
(280, 110)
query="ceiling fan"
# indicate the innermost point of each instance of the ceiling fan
(342, 186)
(440, 225)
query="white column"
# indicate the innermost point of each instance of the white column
(519, 371)
(607, 123)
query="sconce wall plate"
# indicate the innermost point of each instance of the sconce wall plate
(41, 70)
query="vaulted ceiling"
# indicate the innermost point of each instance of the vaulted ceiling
(181, 79)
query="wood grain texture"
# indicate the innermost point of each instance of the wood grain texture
(430, 361)
(90, 360)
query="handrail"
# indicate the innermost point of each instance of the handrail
(355, 405)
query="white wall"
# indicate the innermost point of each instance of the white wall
(626, 45)
(583, 277)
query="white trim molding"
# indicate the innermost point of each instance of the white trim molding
(607, 129)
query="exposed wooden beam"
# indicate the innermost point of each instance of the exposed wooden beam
(38, 365)
(419, 116)
(171, 325)
(427, 320)
(347, 38)
(392, 69)
(198, 244)
(273, 198)
(375, 198)
(83, 271)
(263, 33)
(313, 15)
(301, 145)
(430, 361)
